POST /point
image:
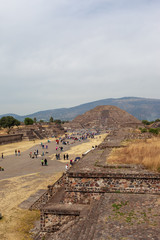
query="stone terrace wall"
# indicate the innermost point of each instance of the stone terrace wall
(51, 222)
(113, 182)
(10, 138)
(52, 190)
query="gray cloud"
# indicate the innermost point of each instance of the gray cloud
(63, 53)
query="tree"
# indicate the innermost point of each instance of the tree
(154, 130)
(28, 121)
(35, 119)
(57, 121)
(145, 122)
(9, 122)
(51, 120)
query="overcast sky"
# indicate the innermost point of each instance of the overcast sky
(62, 53)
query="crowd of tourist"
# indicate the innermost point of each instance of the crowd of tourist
(68, 139)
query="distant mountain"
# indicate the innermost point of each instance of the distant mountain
(141, 108)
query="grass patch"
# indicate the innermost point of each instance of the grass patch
(121, 211)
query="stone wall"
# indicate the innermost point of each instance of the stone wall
(51, 222)
(52, 190)
(113, 182)
(4, 139)
(81, 197)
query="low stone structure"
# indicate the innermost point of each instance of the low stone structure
(10, 138)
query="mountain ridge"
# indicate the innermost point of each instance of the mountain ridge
(141, 108)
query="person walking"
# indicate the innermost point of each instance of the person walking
(64, 156)
(67, 167)
(16, 152)
(2, 156)
(42, 162)
(67, 156)
(71, 162)
(45, 162)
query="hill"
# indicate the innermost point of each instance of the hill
(141, 108)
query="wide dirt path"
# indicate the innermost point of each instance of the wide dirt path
(24, 176)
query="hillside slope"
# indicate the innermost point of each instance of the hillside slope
(141, 108)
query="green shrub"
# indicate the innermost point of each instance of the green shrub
(145, 122)
(28, 121)
(143, 130)
(154, 130)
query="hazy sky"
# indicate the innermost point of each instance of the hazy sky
(62, 53)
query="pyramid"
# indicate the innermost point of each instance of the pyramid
(104, 117)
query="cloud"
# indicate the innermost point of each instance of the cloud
(66, 52)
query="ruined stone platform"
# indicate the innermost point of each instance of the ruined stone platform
(118, 201)
(117, 217)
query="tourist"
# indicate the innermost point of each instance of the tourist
(67, 156)
(67, 167)
(64, 156)
(42, 162)
(16, 152)
(45, 162)
(71, 162)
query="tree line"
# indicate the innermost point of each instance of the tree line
(9, 122)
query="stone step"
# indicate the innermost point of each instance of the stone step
(63, 209)
(58, 196)
(90, 223)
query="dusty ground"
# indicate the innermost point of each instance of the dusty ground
(24, 176)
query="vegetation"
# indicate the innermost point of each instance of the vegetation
(154, 130)
(51, 120)
(146, 122)
(26, 222)
(9, 122)
(57, 121)
(122, 211)
(28, 121)
(145, 152)
(143, 130)
(151, 130)
(35, 119)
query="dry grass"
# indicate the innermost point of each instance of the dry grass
(145, 152)
(16, 222)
